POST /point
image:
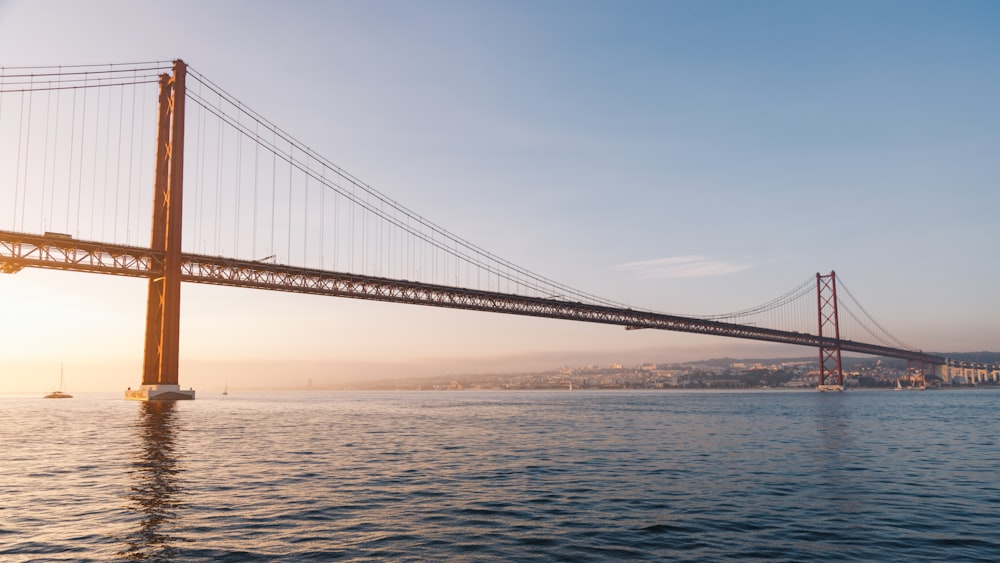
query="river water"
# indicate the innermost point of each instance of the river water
(500, 476)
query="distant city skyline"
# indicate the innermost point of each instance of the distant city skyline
(688, 157)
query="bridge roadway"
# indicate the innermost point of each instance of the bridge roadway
(61, 252)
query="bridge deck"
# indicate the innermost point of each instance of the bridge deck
(19, 250)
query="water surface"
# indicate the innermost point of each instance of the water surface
(583, 476)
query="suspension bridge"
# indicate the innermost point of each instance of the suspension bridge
(253, 207)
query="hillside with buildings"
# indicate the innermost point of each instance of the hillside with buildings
(721, 373)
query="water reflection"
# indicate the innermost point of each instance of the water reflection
(154, 494)
(833, 427)
(835, 455)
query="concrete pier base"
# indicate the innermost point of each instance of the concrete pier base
(159, 393)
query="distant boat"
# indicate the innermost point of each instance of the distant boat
(59, 394)
(899, 386)
(225, 391)
(829, 387)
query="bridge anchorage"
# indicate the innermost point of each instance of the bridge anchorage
(327, 214)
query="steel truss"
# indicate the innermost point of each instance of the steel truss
(60, 252)
(19, 251)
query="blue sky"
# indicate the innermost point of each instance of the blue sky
(691, 157)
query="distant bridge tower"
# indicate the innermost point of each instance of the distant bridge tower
(831, 376)
(163, 310)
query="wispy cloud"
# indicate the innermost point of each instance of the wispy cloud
(682, 267)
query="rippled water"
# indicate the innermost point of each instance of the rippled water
(580, 476)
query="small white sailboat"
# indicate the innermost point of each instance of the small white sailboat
(225, 390)
(59, 394)
(899, 386)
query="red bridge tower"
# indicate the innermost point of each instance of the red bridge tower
(163, 310)
(831, 376)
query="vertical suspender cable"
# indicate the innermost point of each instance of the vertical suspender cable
(336, 226)
(139, 184)
(291, 156)
(45, 158)
(97, 134)
(107, 139)
(350, 243)
(2, 81)
(305, 209)
(131, 163)
(199, 184)
(322, 220)
(256, 174)
(17, 175)
(27, 150)
(365, 264)
(118, 161)
(55, 158)
(72, 150)
(239, 186)
(274, 191)
(220, 152)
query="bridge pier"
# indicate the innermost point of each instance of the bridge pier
(164, 392)
(163, 308)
